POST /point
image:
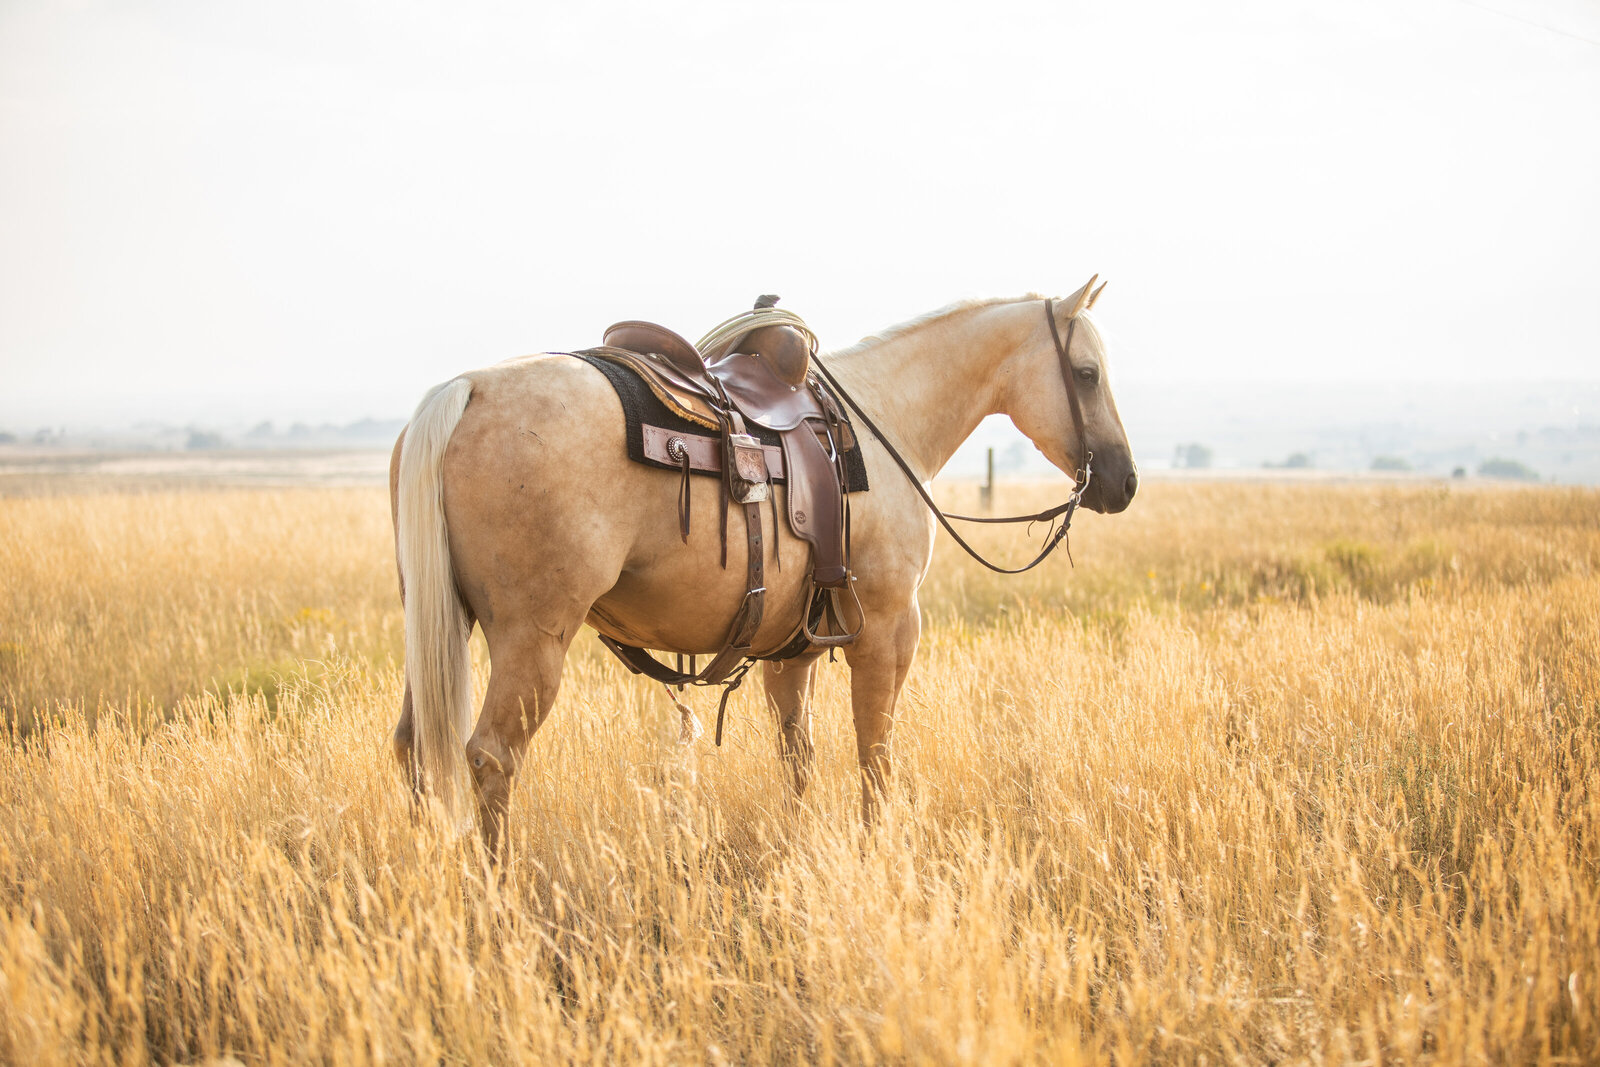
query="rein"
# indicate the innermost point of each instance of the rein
(1064, 511)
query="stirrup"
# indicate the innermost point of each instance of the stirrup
(832, 612)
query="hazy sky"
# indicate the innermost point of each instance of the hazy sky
(315, 210)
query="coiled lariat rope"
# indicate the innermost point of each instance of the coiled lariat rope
(720, 341)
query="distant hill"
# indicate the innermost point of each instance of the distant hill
(366, 433)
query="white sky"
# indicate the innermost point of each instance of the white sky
(314, 210)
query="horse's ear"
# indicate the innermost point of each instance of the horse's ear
(1083, 299)
(1095, 295)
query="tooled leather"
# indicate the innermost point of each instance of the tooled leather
(705, 453)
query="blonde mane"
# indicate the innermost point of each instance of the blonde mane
(911, 326)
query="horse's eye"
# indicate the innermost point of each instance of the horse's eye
(1088, 375)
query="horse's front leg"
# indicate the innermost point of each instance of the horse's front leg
(789, 686)
(878, 663)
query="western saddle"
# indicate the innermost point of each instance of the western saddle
(754, 369)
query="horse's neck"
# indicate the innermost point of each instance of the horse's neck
(928, 388)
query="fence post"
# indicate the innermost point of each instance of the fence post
(986, 491)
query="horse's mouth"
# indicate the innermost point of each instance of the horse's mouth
(1108, 497)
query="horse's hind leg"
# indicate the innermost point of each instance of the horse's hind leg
(789, 687)
(405, 738)
(524, 676)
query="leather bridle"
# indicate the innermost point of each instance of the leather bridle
(1063, 511)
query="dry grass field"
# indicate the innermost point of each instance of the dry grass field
(1277, 773)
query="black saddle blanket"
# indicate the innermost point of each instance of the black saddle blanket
(640, 407)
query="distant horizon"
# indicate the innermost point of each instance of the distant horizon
(1550, 426)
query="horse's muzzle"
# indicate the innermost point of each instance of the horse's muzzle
(1109, 496)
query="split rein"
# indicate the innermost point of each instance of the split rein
(1063, 511)
(691, 725)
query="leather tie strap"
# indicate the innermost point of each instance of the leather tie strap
(685, 498)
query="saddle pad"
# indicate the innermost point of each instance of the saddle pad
(640, 406)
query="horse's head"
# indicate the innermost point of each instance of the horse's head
(1041, 407)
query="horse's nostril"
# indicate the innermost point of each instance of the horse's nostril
(1131, 486)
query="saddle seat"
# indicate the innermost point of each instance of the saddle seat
(766, 375)
(752, 382)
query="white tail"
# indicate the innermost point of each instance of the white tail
(438, 664)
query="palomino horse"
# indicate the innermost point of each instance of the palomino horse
(516, 506)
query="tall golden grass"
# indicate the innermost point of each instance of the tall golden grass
(1276, 773)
